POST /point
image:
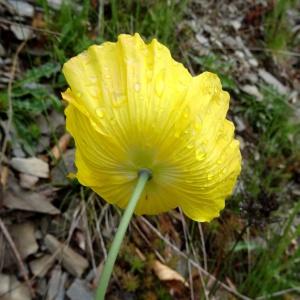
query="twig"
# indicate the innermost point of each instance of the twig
(194, 263)
(188, 251)
(46, 31)
(9, 99)
(205, 290)
(203, 246)
(279, 293)
(17, 256)
(98, 223)
(143, 236)
(248, 250)
(61, 146)
(100, 28)
(88, 234)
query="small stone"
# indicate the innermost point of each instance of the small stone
(56, 288)
(252, 77)
(22, 8)
(242, 142)
(79, 291)
(229, 42)
(253, 62)
(239, 54)
(55, 4)
(22, 33)
(236, 24)
(202, 39)
(274, 82)
(240, 125)
(253, 91)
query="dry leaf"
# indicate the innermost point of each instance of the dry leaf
(71, 260)
(40, 266)
(28, 181)
(165, 273)
(24, 238)
(12, 289)
(32, 166)
(29, 201)
(3, 176)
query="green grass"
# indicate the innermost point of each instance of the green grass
(31, 96)
(243, 245)
(79, 26)
(278, 31)
(277, 266)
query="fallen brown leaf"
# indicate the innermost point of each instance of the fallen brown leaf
(165, 273)
(32, 166)
(71, 260)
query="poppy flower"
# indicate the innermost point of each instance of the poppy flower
(131, 106)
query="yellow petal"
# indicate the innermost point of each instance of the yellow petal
(132, 106)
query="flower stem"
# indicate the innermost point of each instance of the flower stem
(144, 176)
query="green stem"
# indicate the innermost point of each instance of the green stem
(144, 176)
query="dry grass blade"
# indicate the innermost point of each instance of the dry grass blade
(203, 246)
(17, 255)
(279, 293)
(9, 97)
(45, 31)
(185, 232)
(61, 146)
(143, 236)
(194, 263)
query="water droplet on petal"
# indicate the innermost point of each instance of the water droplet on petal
(94, 93)
(177, 134)
(190, 146)
(159, 87)
(137, 87)
(93, 79)
(99, 112)
(119, 99)
(181, 86)
(78, 94)
(96, 127)
(149, 74)
(189, 181)
(200, 155)
(197, 126)
(209, 176)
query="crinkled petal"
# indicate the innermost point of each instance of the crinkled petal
(132, 106)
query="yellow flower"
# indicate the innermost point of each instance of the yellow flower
(132, 107)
